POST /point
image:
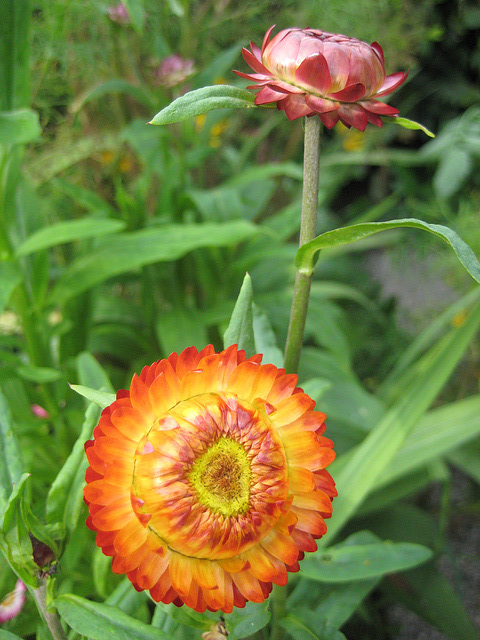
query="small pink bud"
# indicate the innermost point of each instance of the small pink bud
(13, 602)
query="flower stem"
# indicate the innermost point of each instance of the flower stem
(279, 597)
(301, 289)
(52, 620)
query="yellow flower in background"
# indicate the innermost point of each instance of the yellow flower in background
(207, 479)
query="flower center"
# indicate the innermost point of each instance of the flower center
(221, 478)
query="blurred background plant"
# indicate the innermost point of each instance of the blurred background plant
(121, 243)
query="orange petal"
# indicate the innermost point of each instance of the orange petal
(130, 422)
(115, 515)
(163, 587)
(304, 450)
(309, 421)
(130, 538)
(316, 500)
(310, 521)
(301, 479)
(291, 408)
(180, 573)
(103, 493)
(122, 564)
(281, 546)
(266, 567)
(164, 393)
(139, 397)
(242, 379)
(150, 570)
(283, 387)
(249, 586)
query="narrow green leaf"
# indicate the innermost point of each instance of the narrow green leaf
(40, 375)
(360, 562)
(19, 127)
(265, 340)
(240, 329)
(129, 251)
(10, 460)
(115, 85)
(15, 19)
(438, 433)
(409, 124)
(70, 231)
(305, 257)
(62, 486)
(357, 471)
(102, 398)
(136, 12)
(92, 374)
(195, 103)
(6, 635)
(15, 541)
(467, 458)
(103, 622)
(10, 277)
(306, 625)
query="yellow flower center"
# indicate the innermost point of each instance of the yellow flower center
(221, 477)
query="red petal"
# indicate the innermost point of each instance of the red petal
(294, 106)
(329, 119)
(350, 94)
(353, 115)
(391, 83)
(321, 105)
(380, 108)
(256, 77)
(252, 61)
(313, 73)
(379, 51)
(267, 37)
(268, 95)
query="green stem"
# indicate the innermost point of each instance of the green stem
(52, 620)
(303, 281)
(279, 597)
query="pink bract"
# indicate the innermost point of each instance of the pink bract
(309, 72)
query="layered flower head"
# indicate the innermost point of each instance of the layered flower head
(308, 72)
(207, 479)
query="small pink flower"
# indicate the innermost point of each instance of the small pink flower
(309, 72)
(174, 70)
(39, 411)
(13, 602)
(118, 13)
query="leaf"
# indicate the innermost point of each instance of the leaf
(102, 398)
(10, 460)
(40, 375)
(454, 167)
(114, 85)
(129, 251)
(240, 329)
(103, 622)
(19, 127)
(360, 562)
(181, 328)
(307, 625)
(356, 472)
(60, 494)
(195, 103)
(305, 257)
(70, 231)
(92, 374)
(467, 458)
(438, 433)
(409, 124)
(15, 541)
(10, 278)
(136, 13)
(15, 18)
(6, 635)
(265, 340)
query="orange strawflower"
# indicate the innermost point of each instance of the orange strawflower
(207, 479)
